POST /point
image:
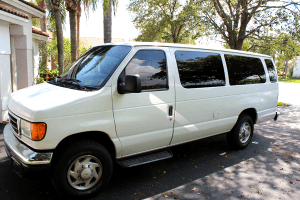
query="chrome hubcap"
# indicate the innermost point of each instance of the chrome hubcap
(84, 172)
(245, 132)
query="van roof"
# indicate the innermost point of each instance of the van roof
(159, 44)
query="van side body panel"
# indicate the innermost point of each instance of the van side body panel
(206, 111)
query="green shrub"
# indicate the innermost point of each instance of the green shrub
(290, 74)
(281, 104)
(40, 80)
(47, 75)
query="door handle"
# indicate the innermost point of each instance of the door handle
(170, 110)
(170, 113)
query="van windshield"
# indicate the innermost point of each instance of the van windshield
(94, 68)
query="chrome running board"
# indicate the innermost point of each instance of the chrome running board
(144, 159)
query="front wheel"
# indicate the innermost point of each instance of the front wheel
(241, 134)
(82, 170)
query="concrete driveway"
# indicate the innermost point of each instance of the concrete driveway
(272, 170)
(289, 93)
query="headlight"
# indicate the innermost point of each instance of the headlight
(34, 131)
(25, 128)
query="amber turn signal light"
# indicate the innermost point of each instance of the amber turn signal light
(38, 131)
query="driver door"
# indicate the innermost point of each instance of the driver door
(144, 121)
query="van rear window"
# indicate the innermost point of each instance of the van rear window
(271, 71)
(245, 70)
(200, 69)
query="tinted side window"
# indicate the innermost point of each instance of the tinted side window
(245, 70)
(198, 69)
(271, 71)
(150, 65)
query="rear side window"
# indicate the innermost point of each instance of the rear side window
(245, 70)
(271, 71)
(199, 69)
(150, 65)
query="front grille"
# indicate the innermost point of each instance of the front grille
(14, 123)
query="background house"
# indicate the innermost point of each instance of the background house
(19, 49)
(296, 71)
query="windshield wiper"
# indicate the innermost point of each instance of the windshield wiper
(73, 80)
(68, 80)
(91, 87)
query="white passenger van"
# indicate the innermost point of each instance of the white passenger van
(131, 102)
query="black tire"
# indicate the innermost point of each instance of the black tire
(233, 137)
(83, 150)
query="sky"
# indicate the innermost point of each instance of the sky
(122, 26)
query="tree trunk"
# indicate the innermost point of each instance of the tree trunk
(43, 24)
(78, 28)
(285, 69)
(107, 22)
(73, 37)
(60, 40)
(235, 44)
(239, 44)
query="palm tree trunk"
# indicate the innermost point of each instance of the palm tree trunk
(43, 23)
(72, 8)
(107, 22)
(60, 40)
(78, 27)
(73, 37)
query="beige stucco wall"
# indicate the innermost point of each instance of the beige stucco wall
(36, 55)
(23, 50)
(0, 106)
(16, 38)
(17, 51)
(5, 74)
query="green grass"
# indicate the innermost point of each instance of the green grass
(289, 80)
(281, 104)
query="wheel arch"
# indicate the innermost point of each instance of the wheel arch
(97, 136)
(251, 112)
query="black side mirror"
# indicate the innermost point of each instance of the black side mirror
(129, 84)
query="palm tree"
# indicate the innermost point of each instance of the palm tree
(72, 6)
(78, 16)
(55, 4)
(107, 18)
(43, 23)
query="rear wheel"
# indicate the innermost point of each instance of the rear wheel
(241, 134)
(82, 170)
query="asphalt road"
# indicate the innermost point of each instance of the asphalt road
(206, 169)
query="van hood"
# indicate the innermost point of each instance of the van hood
(46, 101)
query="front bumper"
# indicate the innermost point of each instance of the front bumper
(25, 161)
